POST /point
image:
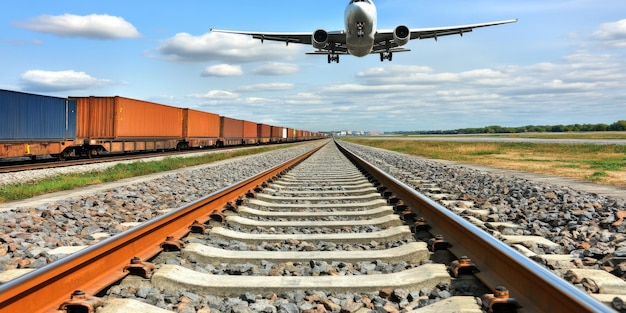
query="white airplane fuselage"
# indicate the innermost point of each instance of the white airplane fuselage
(360, 19)
(361, 36)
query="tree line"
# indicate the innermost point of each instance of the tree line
(617, 126)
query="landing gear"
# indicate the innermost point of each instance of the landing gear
(333, 58)
(386, 56)
(359, 27)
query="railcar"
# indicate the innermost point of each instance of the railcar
(200, 129)
(118, 124)
(264, 132)
(250, 133)
(32, 125)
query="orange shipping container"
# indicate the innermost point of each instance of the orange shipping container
(198, 124)
(264, 131)
(231, 128)
(250, 130)
(124, 118)
(277, 132)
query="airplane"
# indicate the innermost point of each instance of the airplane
(361, 37)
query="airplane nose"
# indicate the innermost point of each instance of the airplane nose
(359, 9)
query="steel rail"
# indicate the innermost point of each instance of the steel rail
(533, 286)
(112, 157)
(98, 266)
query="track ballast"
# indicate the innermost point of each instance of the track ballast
(320, 238)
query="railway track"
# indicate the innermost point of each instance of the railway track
(323, 237)
(11, 167)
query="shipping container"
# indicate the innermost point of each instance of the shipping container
(200, 129)
(264, 132)
(290, 134)
(250, 132)
(30, 117)
(32, 125)
(276, 134)
(231, 132)
(118, 124)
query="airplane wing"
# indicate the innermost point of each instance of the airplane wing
(384, 38)
(336, 37)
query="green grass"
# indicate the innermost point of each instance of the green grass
(569, 166)
(595, 162)
(566, 135)
(608, 164)
(597, 176)
(484, 152)
(120, 171)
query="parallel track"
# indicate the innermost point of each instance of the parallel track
(99, 266)
(11, 167)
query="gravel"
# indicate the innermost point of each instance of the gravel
(30, 176)
(28, 234)
(582, 224)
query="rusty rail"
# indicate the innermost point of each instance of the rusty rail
(96, 267)
(534, 287)
(114, 157)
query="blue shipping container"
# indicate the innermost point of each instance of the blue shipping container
(31, 118)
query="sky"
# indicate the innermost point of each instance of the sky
(563, 62)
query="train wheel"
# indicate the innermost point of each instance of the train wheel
(93, 152)
(63, 155)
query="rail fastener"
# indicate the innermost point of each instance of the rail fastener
(139, 268)
(79, 301)
(259, 188)
(219, 217)
(463, 266)
(197, 227)
(408, 215)
(400, 206)
(438, 243)
(420, 225)
(499, 301)
(172, 244)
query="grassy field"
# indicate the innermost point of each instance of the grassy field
(604, 164)
(592, 135)
(565, 135)
(117, 172)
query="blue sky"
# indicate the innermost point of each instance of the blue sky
(564, 62)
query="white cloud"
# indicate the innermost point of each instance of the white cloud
(266, 87)
(368, 90)
(97, 26)
(216, 94)
(38, 80)
(275, 69)
(613, 34)
(221, 47)
(223, 70)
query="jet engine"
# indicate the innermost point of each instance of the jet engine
(401, 35)
(320, 39)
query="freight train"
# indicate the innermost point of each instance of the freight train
(34, 125)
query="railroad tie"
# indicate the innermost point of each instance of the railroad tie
(172, 277)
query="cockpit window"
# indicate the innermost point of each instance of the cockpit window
(353, 1)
